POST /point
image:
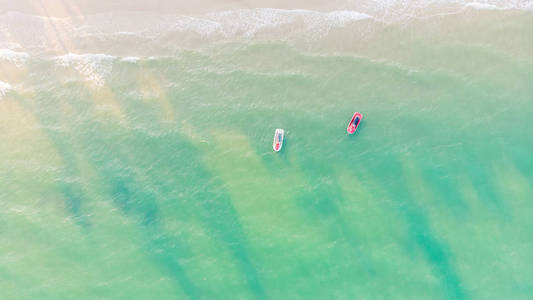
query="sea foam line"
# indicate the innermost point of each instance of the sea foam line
(18, 58)
(4, 88)
(131, 59)
(248, 22)
(501, 5)
(94, 67)
(483, 6)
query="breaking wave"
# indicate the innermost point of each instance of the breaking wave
(93, 67)
(4, 88)
(164, 31)
(17, 58)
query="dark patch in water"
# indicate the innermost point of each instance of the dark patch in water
(181, 173)
(51, 117)
(73, 201)
(419, 229)
(214, 207)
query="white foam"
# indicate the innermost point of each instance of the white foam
(94, 67)
(202, 26)
(17, 58)
(131, 59)
(4, 88)
(483, 6)
(526, 5)
(248, 22)
(126, 33)
(156, 30)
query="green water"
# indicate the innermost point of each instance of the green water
(162, 183)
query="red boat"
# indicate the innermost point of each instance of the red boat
(354, 123)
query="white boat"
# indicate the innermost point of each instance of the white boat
(278, 139)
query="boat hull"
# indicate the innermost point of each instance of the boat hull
(278, 140)
(354, 123)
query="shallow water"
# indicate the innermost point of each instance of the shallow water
(146, 171)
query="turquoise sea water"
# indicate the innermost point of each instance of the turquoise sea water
(154, 177)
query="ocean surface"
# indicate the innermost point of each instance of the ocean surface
(136, 153)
